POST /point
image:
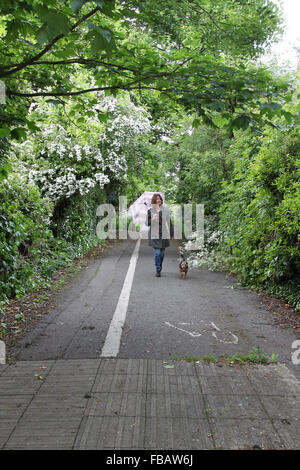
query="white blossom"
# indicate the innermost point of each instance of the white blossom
(61, 165)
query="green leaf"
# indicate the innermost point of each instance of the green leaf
(241, 122)
(196, 123)
(77, 4)
(53, 101)
(4, 132)
(220, 121)
(18, 133)
(102, 40)
(42, 35)
(270, 108)
(216, 105)
(98, 44)
(208, 121)
(5, 168)
(103, 117)
(288, 116)
(55, 23)
(104, 32)
(31, 125)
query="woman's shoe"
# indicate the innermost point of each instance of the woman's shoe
(157, 273)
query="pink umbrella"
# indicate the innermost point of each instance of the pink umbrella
(138, 210)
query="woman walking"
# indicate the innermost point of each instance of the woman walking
(161, 229)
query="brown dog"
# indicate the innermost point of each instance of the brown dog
(183, 269)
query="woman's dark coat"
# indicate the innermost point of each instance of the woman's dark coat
(164, 218)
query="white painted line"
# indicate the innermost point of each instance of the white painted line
(235, 338)
(197, 334)
(191, 333)
(112, 342)
(2, 352)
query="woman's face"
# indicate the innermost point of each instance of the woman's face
(158, 200)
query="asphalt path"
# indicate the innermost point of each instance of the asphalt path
(118, 308)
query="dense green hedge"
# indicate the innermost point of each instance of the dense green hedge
(29, 251)
(23, 228)
(261, 215)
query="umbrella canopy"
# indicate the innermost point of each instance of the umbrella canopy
(138, 210)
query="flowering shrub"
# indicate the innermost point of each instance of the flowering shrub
(211, 255)
(119, 143)
(48, 207)
(29, 253)
(67, 167)
(61, 165)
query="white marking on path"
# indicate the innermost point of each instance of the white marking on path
(196, 334)
(112, 343)
(235, 338)
(191, 333)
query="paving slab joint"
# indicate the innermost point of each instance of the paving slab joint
(211, 435)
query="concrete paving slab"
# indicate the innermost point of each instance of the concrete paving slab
(19, 385)
(170, 433)
(104, 433)
(267, 379)
(183, 384)
(121, 383)
(168, 368)
(216, 370)
(123, 366)
(282, 408)
(58, 406)
(246, 434)
(234, 406)
(116, 404)
(3, 368)
(224, 385)
(38, 441)
(27, 369)
(288, 430)
(75, 366)
(177, 405)
(67, 385)
(12, 406)
(124, 404)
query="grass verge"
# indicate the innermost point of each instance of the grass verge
(255, 356)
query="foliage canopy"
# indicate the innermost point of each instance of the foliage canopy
(195, 53)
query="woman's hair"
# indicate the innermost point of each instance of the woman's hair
(153, 200)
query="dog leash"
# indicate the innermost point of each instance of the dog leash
(180, 254)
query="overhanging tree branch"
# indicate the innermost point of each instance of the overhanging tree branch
(81, 61)
(126, 86)
(82, 92)
(46, 49)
